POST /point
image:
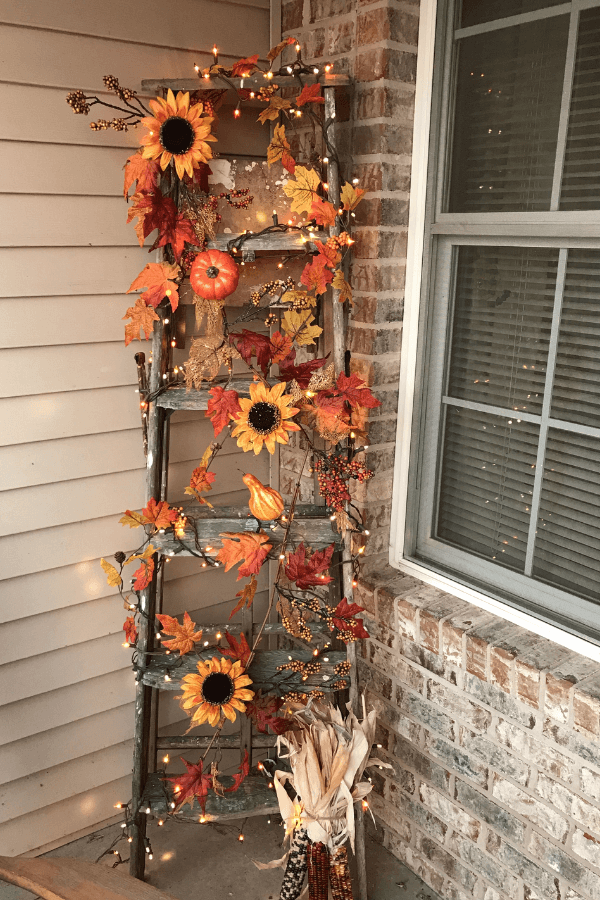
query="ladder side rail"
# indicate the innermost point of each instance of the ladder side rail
(339, 357)
(143, 696)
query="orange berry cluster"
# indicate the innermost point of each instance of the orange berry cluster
(333, 473)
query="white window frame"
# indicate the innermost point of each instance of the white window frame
(417, 272)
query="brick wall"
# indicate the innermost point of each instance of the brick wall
(492, 733)
(375, 43)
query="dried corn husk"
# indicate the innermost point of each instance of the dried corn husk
(328, 755)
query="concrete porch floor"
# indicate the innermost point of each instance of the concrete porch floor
(208, 862)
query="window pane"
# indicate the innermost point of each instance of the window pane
(476, 11)
(507, 110)
(576, 392)
(567, 545)
(581, 173)
(501, 326)
(487, 472)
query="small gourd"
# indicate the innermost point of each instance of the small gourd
(265, 502)
(214, 275)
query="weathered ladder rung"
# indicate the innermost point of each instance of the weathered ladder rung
(201, 742)
(267, 629)
(178, 397)
(314, 532)
(155, 85)
(252, 798)
(165, 672)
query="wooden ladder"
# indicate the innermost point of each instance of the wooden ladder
(157, 671)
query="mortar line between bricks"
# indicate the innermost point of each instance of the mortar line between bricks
(388, 44)
(364, 86)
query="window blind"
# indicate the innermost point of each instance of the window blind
(474, 12)
(508, 99)
(486, 485)
(576, 390)
(501, 329)
(581, 172)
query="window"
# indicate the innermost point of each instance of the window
(504, 473)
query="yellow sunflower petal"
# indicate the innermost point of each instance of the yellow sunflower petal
(179, 166)
(242, 680)
(229, 712)
(244, 694)
(214, 715)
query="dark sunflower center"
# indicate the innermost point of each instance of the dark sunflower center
(177, 135)
(264, 417)
(217, 688)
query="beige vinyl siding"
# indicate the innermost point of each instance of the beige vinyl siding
(70, 445)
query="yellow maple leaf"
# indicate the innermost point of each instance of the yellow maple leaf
(114, 579)
(142, 317)
(133, 519)
(340, 284)
(272, 110)
(148, 552)
(184, 635)
(350, 196)
(278, 145)
(303, 190)
(299, 326)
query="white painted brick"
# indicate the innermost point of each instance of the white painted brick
(449, 812)
(586, 846)
(524, 804)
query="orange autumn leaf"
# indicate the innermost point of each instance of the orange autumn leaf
(248, 548)
(184, 635)
(144, 171)
(130, 629)
(237, 649)
(329, 254)
(142, 317)
(157, 280)
(244, 67)
(193, 785)
(246, 596)
(316, 276)
(279, 48)
(143, 575)
(323, 212)
(282, 345)
(310, 93)
(201, 480)
(341, 285)
(159, 514)
(278, 146)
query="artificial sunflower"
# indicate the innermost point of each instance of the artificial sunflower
(218, 689)
(177, 131)
(264, 418)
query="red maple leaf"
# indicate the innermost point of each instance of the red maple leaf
(244, 67)
(222, 406)
(306, 572)
(310, 93)
(263, 711)
(344, 618)
(323, 212)
(159, 514)
(237, 649)
(243, 771)
(302, 373)
(193, 784)
(249, 344)
(316, 275)
(155, 211)
(130, 629)
(288, 162)
(354, 391)
(199, 177)
(143, 575)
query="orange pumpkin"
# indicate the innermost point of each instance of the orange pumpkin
(214, 275)
(265, 503)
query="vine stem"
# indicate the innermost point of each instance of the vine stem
(281, 561)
